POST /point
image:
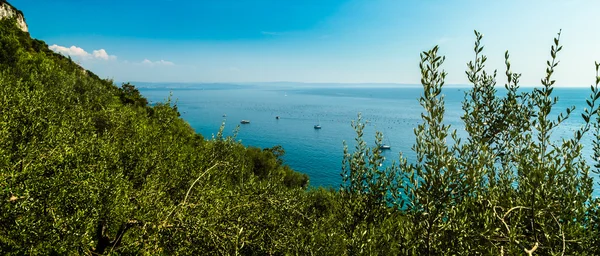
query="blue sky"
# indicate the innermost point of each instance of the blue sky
(351, 41)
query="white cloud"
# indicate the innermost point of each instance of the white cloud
(79, 52)
(159, 62)
(101, 54)
(73, 51)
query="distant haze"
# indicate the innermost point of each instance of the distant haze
(374, 41)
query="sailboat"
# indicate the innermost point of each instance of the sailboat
(318, 125)
(385, 146)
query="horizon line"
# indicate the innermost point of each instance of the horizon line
(454, 85)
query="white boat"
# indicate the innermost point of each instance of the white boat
(385, 147)
(318, 125)
(245, 121)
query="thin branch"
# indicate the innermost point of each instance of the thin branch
(515, 208)
(194, 183)
(124, 227)
(562, 234)
(501, 219)
(530, 252)
(189, 190)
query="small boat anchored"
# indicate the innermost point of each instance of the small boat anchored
(245, 121)
(385, 147)
(318, 125)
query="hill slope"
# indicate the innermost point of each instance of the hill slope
(90, 168)
(87, 167)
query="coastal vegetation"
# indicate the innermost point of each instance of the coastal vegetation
(87, 167)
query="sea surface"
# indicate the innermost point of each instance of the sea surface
(392, 109)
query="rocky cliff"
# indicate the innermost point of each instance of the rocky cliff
(9, 11)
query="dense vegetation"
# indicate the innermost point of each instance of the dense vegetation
(90, 168)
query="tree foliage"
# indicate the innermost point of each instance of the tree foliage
(87, 167)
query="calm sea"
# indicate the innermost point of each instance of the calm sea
(393, 110)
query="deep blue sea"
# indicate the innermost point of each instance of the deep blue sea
(391, 109)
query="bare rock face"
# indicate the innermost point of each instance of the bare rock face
(8, 11)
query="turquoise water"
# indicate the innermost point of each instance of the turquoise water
(392, 110)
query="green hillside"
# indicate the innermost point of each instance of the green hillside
(88, 167)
